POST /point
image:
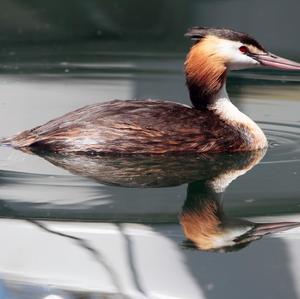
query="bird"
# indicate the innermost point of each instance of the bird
(208, 228)
(212, 124)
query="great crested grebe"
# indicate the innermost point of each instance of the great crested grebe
(213, 125)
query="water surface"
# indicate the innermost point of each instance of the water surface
(115, 228)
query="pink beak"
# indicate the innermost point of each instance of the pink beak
(262, 229)
(271, 60)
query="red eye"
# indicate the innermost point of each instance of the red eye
(244, 49)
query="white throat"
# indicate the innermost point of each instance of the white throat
(234, 117)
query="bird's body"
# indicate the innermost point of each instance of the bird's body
(149, 126)
(212, 125)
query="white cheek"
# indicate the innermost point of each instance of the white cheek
(227, 238)
(237, 60)
(241, 61)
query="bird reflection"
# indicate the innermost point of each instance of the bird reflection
(157, 170)
(203, 220)
(207, 227)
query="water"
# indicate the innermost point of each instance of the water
(92, 227)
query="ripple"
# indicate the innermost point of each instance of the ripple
(284, 142)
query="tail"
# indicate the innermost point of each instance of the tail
(22, 141)
(6, 141)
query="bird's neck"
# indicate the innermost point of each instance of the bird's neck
(221, 105)
(231, 115)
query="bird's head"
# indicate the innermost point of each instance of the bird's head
(216, 51)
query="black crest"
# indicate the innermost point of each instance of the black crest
(197, 33)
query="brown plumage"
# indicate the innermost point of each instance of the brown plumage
(202, 225)
(152, 127)
(205, 72)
